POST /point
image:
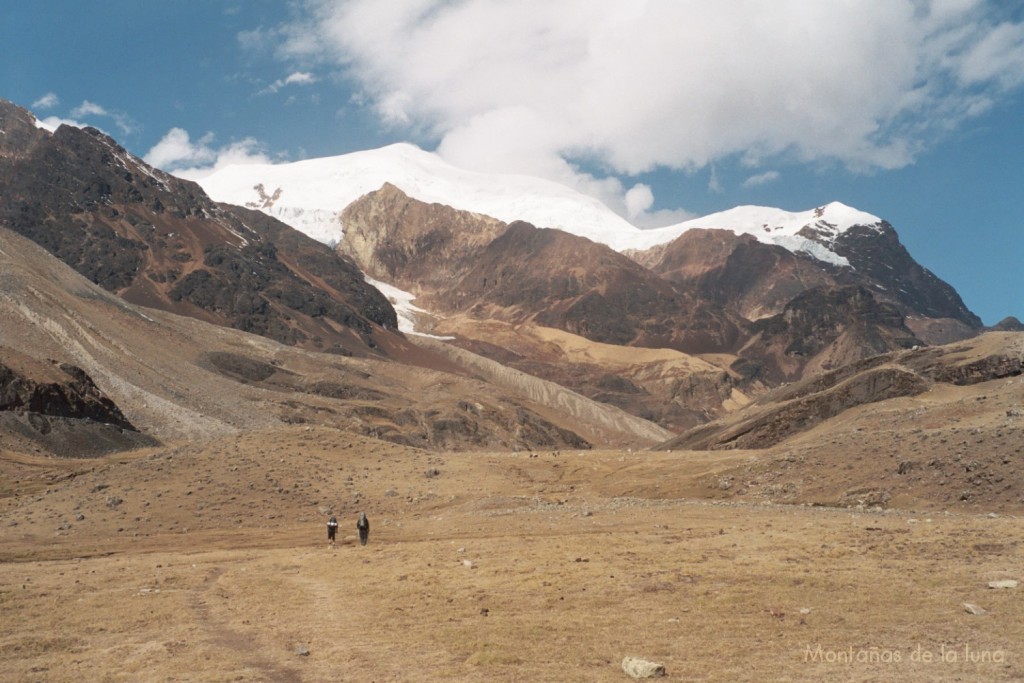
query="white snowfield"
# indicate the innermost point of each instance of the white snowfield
(310, 196)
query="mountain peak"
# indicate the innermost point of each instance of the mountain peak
(313, 192)
(310, 195)
(762, 220)
(811, 231)
(846, 216)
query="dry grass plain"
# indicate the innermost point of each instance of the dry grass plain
(209, 562)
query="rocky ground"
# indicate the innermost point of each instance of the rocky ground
(209, 561)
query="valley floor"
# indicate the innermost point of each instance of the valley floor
(211, 563)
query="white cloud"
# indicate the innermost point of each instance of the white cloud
(761, 179)
(47, 101)
(256, 40)
(998, 57)
(87, 108)
(176, 153)
(90, 109)
(662, 217)
(300, 78)
(631, 87)
(177, 149)
(296, 78)
(639, 199)
(714, 184)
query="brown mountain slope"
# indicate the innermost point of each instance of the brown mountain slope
(567, 282)
(799, 407)
(160, 241)
(176, 378)
(505, 292)
(956, 445)
(822, 329)
(736, 271)
(676, 390)
(758, 280)
(388, 234)
(693, 295)
(458, 262)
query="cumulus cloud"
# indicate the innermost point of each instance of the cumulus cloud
(639, 199)
(631, 87)
(47, 101)
(177, 153)
(176, 148)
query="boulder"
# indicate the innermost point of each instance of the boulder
(971, 608)
(641, 668)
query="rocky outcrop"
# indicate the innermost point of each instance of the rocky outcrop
(639, 669)
(57, 408)
(66, 391)
(416, 246)
(995, 366)
(1009, 324)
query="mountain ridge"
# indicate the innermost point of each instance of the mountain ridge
(313, 194)
(160, 241)
(771, 297)
(310, 195)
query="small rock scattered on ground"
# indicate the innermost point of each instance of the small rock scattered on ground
(971, 608)
(641, 668)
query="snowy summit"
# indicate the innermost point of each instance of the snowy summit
(774, 226)
(310, 196)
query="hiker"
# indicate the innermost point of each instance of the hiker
(332, 529)
(364, 528)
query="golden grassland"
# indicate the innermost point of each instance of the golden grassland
(209, 562)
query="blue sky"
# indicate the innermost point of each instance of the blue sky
(912, 110)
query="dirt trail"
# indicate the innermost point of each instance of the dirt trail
(223, 635)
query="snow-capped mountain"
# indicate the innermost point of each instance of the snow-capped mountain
(772, 297)
(813, 232)
(849, 246)
(310, 195)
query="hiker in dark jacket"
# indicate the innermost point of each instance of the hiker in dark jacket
(332, 529)
(364, 528)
